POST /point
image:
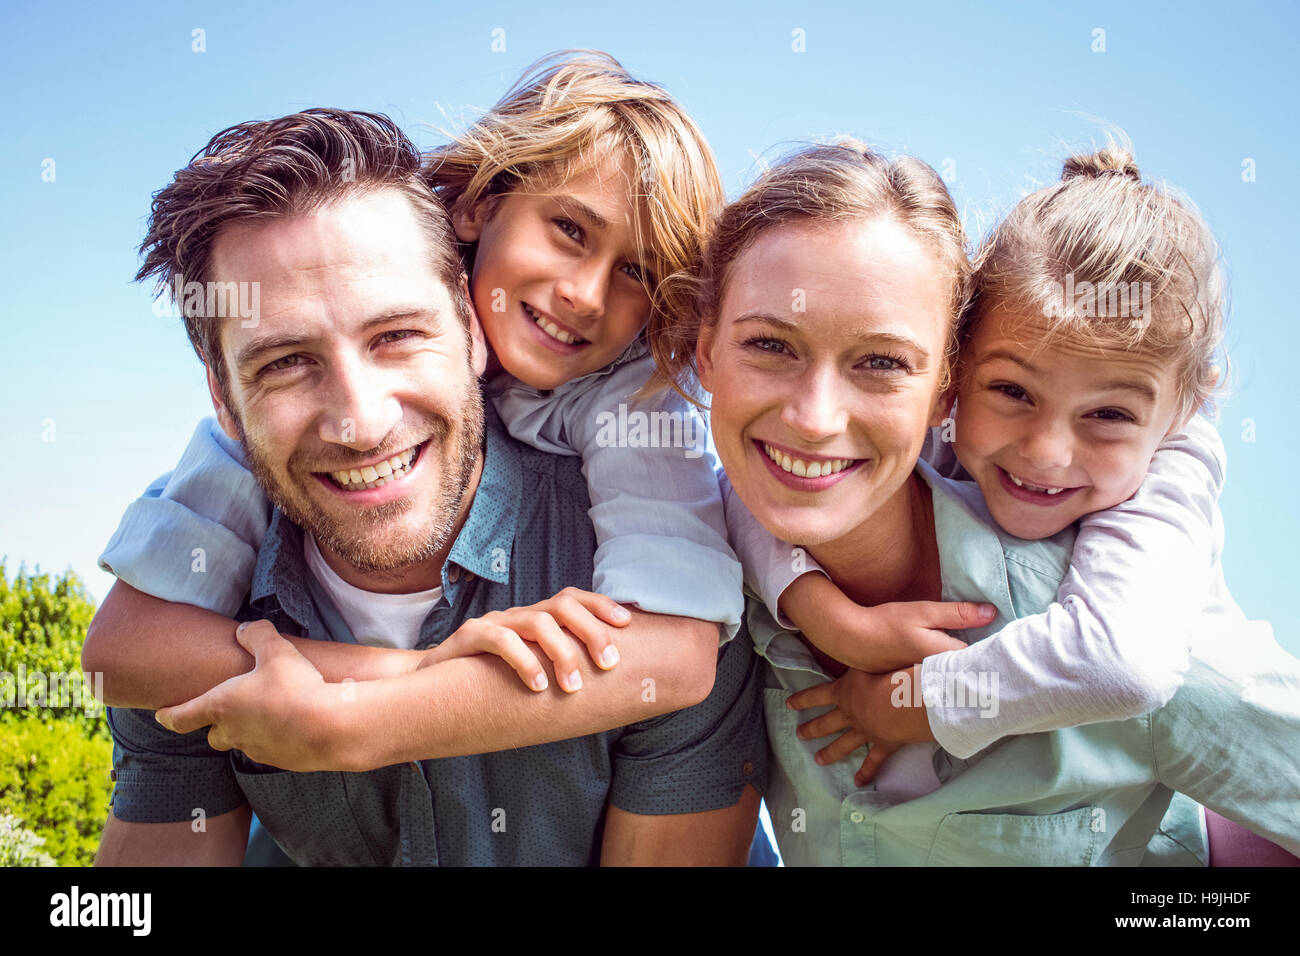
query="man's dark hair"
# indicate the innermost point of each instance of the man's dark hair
(279, 168)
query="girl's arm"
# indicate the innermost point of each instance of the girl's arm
(1115, 645)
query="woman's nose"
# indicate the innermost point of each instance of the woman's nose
(816, 410)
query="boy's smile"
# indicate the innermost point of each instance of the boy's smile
(558, 273)
(1052, 433)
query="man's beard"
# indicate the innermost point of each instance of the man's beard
(364, 542)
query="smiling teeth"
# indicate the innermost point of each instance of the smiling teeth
(807, 469)
(376, 476)
(1038, 488)
(553, 330)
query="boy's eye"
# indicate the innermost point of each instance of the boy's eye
(1013, 392)
(569, 228)
(641, 274)
(1113, 415)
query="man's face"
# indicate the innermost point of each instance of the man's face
(355, 394)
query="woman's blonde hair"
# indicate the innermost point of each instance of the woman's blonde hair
(838, 182)
(569, 109)
(1110, 262)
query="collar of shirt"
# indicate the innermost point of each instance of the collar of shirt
(282, 582)
(505, 382)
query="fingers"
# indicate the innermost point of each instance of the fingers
(824, 726)
(583, 614)
(875, 757)
(510, 647)
(957, 615)
(842, 746)
(820, 696)
(261, 639)
(187, 717)
(607, 609)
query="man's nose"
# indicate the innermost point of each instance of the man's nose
(817, 411)
(360, 409)
(583, 289)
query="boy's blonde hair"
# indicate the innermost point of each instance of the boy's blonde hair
(838, 182)
(1112, 263)
(567, 110)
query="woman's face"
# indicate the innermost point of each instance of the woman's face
(825, 364)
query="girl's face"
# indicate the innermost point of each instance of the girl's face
(559, 282)
(1054, 433)
(824, 365)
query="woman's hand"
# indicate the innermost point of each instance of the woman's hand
(884, 711)
(560, 626)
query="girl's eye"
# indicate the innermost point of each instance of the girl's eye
(1013, 392)
(886, 363)
(770, 346)
(1113, 415)
(570, 229)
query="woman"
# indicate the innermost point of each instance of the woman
(828, 310)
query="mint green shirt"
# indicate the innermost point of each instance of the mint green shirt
(1094, 795)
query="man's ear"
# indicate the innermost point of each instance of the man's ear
(478, 349)
(704, 354)
(224, 416)
(468, 220)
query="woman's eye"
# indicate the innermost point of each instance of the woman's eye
(770, 346)
(886, 363)
(570, 229)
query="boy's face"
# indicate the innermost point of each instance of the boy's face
(1052, 434)
(558, 277)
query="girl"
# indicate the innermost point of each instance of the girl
(572, 195)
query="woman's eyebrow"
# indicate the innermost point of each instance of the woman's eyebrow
(865, 335)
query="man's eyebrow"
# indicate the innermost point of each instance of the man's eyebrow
(253, 351)
(867, 335)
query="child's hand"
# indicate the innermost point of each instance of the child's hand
(877, 639)
(559, 625)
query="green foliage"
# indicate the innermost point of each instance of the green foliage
(54, 755)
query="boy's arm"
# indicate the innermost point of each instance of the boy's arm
(221, 842)
(285, 715)
(1115, 645)
(153, 653)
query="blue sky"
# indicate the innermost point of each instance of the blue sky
(100, 394)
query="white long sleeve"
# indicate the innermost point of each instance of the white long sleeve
(1115, 645)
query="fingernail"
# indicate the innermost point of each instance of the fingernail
(241, 628)
(621, 613)
(987, 610)
(820, 759)
(539, 682)
(609, 656)
(575, 680)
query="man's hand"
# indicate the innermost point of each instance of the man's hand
(883, 710)
(560, 626)
(280, 713)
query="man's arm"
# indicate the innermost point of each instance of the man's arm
(711, 838)
(283, 713)
(221, 842)
(154, 653)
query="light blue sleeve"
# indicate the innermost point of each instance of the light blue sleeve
(655, 504)
(193, 536)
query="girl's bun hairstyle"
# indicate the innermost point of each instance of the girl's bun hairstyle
(1107, 261)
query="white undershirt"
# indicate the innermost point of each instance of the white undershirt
(380, 620)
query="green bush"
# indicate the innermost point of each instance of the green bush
(54, 758)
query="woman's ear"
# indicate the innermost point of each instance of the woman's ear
(468, 221)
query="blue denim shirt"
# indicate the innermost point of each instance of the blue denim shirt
(527, 536)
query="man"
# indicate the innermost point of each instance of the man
(365, 351)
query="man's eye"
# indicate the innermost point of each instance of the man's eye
(570, 229)
(397, 335)
(281, 364)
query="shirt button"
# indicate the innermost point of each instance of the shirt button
(453, 574)
(747, 769)
(469, 576)
(856, 816)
